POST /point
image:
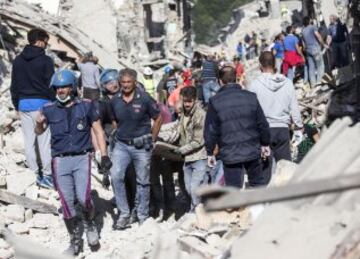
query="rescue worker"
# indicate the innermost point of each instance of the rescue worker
(148, 82)
(109, 87)
(133, 110)
(70, 121)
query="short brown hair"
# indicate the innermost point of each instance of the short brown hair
(227, 75)
(267, 59)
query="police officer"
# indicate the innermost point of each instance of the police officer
(109, 87)
(133, 110)
(70, 121)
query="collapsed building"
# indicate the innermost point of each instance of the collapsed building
(135, 33)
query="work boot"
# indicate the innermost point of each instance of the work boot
(76, 243)
(121, 223)
(133, 217)
(91, 231)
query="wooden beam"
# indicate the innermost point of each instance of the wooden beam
(42, 207)
(240, 199)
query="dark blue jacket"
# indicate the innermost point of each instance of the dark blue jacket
(236, 122)
(209, 70)
(31, 75)
(70, 127)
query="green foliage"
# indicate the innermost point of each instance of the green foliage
(210, 16)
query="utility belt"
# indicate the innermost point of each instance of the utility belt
(144, 141)
(75, 153)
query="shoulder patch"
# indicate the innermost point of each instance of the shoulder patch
(49, 104)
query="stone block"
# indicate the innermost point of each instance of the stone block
(18, 183)
(32, 192)
(28, 214)
(15, 213)
(19, 228)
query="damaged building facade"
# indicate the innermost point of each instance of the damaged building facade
(120, 33)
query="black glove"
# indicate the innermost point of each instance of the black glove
(105, 180)
(106, 163)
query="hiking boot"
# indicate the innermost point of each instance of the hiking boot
(133, 217)
(76, 242)
(121, 223)
(45, 181)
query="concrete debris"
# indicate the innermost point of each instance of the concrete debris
(323, 219)
(6, 253)
(15, 212)
(3, 244)
(19, 187)
(28, 214)
(19, 228)
(2, 182)
(194, 245)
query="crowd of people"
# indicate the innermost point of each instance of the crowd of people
(310, 50)
(220, 127)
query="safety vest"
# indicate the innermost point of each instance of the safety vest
(149, 86)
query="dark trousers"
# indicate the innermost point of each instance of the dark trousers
(234, 174)
(339, 54)
(280, 149)
(162, 190)
(280, 143)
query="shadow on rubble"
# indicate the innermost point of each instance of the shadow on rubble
(103, 209)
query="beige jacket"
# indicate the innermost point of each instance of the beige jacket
(190, 136)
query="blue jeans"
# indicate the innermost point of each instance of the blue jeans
(291, 73)
(316, 67)
(194, 176)
(122, 155)
(217, 173)
(210, 87)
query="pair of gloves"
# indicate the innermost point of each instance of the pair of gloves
(105, 166)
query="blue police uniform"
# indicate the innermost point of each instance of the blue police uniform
(71, 145)
(132, 145)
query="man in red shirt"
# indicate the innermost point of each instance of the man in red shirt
(239, 68)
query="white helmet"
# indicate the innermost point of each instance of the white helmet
(148, 71)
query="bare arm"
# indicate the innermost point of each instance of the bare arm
(299, 51)
(156, 127)
(100, 137)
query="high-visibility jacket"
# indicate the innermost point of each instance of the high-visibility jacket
(149, 86)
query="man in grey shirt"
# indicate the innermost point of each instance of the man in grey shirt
(312, 40)
(277, 98)
(90, 77)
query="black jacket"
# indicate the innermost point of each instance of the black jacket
(236, 122)
(31, 75)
